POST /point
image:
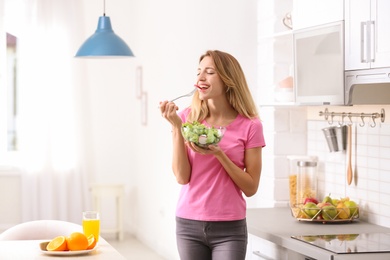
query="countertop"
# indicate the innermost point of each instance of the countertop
(277, 226)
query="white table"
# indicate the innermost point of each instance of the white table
(29, 249)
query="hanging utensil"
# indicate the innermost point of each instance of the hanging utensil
(355, 170)
(349, 155)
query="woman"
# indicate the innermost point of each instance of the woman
(211, 211)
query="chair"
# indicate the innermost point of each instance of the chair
(115, 192)
(40, 229)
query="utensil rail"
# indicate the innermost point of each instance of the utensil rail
(329, 116)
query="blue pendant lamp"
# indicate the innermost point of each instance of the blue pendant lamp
(104, 43)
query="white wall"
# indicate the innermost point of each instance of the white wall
(167, 38)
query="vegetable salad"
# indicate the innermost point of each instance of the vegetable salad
(200, 134)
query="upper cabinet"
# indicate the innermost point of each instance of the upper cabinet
(319, 65)
(314, 52)
(318, 52)
(309, 13)
(367, 38)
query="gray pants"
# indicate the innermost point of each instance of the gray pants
(208, 240)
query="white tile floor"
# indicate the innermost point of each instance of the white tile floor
(131, 248)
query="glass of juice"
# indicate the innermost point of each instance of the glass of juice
(91, 224)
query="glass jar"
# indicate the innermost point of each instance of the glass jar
(294, 170)
(306, 181)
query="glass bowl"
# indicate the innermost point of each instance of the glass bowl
(202, 135)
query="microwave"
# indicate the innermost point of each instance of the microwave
(319, 64)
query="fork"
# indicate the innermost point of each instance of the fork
(186, 95)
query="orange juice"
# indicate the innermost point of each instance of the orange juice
(91, 226)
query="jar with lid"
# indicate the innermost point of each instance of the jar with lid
(294, 172)
(306, 180)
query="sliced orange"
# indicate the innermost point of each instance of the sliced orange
(57, 244)
(91, 242)
(77, 241)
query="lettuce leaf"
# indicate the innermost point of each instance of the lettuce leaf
(192, 131)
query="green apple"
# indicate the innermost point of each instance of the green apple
(311, 209)
(329, 212)
(353, 208)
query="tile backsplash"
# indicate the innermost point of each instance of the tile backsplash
(370, 186)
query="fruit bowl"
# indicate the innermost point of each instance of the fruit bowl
(202, 135)
(325, 214)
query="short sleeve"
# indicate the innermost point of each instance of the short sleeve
(255, 135)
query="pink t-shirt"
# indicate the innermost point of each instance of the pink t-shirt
(211, 195)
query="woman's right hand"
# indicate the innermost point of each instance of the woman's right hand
(180, 163)
(169, 112)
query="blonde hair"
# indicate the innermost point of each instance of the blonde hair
(237, 90)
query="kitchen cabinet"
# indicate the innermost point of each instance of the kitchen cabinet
(319, 65)
(259, 249)
(262, 249)
(303, 80)
(367, 38)
(309, 13)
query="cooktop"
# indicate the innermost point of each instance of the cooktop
(350, 243)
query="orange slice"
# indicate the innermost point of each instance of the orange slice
(77, 241)
(57, 244)
(91, 242)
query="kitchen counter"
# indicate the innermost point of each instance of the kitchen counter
(277, 225)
